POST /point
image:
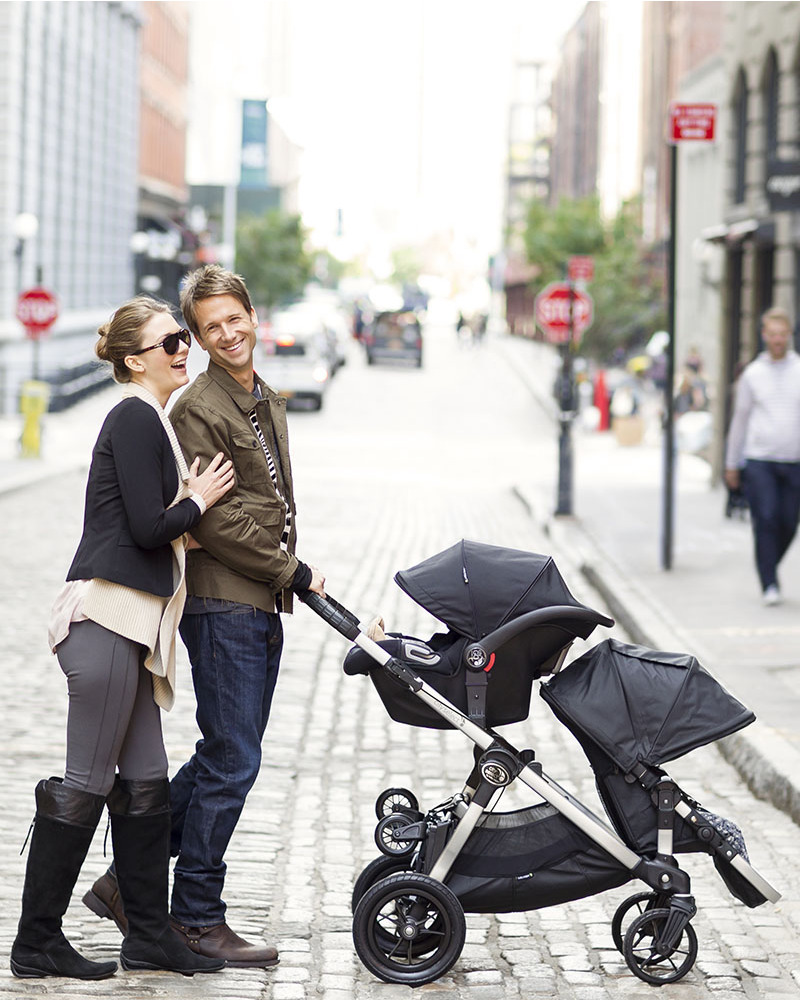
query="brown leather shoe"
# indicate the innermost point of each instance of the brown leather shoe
(219, 941)
(104, 900)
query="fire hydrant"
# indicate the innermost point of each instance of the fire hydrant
(33, 403)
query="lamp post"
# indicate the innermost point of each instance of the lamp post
(26, 226)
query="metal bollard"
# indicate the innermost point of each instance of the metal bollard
(33, 402)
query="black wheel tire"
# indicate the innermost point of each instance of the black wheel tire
(376, 870)
(433, 917)
(395, 800)
(640, 902)
(384, 840)
(650, 966)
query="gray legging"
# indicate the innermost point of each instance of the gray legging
(112, 720)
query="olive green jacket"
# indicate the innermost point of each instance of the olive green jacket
(241, 557)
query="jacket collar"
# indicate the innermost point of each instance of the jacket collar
(244, 400)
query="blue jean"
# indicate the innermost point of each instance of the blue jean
(773, 492)
(235, 653)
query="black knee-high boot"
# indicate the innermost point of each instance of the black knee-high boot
(65, 821)
(140, 831)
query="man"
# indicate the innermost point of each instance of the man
(239, 576)
(764, 445)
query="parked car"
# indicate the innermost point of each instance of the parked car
(394, 336)
(297, 362)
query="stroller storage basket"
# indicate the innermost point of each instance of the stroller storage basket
(529, 859)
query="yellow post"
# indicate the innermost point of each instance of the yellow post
(33, 403)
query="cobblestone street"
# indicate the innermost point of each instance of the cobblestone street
(376, 495)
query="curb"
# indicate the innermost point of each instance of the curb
(767, 763)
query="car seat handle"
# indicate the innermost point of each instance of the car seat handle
(476, 654)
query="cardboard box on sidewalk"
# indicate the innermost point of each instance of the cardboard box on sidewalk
(628, 430)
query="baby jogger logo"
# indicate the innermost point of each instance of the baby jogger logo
(632, 710)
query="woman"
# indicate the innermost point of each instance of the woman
(113, 629)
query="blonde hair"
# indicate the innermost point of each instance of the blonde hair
(122, 334)
(206, 282)
(776, 313)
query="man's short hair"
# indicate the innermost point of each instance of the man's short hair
(776, 313)
(207, 281)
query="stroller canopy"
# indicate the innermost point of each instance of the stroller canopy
(475, 588)
(644, 706)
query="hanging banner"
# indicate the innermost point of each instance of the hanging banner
(254, 168)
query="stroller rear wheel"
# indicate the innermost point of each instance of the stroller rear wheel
(385, 836)
(376, 870)
(395, 800)
(648, 959)
(409, 929)
(639, 903)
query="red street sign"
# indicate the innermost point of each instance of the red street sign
(580, 268)
(692, 121)
(37, 310)
(552, 312)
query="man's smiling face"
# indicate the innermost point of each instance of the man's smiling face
(228, 333)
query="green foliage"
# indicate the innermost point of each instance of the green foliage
(407, 265)
(627, 288)
(271, 256)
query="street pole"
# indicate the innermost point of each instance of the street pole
(566, 398)
(668, 513)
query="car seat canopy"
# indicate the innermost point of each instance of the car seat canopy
(474, 588)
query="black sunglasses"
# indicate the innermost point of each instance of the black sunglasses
(170, 342)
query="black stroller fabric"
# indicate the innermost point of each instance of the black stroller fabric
(643, 706)
(648, 707)
(474, 588)
(529, 859)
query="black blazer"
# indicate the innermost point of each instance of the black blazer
(127, 527)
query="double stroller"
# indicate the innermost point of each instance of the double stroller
(510, 621)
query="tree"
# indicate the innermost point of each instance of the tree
(627, 288)
(271, 257)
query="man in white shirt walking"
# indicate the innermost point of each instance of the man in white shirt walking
(763, 452)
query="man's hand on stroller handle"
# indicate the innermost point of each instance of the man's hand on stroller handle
(317, 581)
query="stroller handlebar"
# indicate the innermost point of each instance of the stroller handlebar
(335, 614)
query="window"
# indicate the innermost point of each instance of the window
(769, 93)
(740, 137)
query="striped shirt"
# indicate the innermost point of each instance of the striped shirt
(273, 472)
(766, 416)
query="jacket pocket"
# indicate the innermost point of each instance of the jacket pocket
(249, 461)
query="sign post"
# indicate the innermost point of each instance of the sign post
(563, 313)
(688, 123)
(37, 310)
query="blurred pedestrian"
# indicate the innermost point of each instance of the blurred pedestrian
(764, 444)
(239, 577)
(113, 629)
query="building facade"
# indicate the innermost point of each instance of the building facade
(760, 227)
(69, 121)
(163, 246)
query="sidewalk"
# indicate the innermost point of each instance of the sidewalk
(708, 603)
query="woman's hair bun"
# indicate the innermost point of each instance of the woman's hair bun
(101, 347)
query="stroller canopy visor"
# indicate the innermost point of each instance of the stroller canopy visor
(644, 706)
(475, 588)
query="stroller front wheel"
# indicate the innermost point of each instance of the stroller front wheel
(646, 956)
(640, 902)
(409, 929)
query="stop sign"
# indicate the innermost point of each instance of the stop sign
(559, 308)
(37, 310)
